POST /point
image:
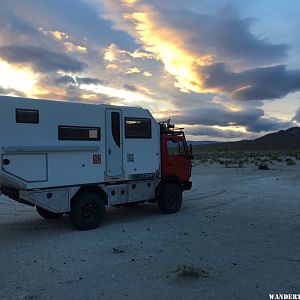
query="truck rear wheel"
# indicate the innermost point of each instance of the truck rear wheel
(46, 214)
(170, 198)
(87, 211)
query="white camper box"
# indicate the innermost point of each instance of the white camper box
(49, 149)
(76, 158)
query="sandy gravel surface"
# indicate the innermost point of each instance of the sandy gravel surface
(241, 226)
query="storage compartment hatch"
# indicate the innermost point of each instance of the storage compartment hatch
(27, 167)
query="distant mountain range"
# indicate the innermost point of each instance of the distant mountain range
(283, 139)
(194, 143)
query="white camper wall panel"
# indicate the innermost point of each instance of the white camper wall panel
(74, 168)
(27, 167)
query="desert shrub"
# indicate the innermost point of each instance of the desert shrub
(290, 162)
(190, 271)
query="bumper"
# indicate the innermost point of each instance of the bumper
(186, 186)
(10, 192)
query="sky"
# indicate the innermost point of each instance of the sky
(223, 70)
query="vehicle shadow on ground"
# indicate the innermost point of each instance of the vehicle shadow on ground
(35, 225)
(124, 214)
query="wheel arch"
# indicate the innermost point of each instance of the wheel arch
(91, 189)
(165, 180)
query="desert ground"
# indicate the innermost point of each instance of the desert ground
(238, 231)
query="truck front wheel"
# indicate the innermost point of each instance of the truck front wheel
(46, 214)
(87, 211)
(170, 198)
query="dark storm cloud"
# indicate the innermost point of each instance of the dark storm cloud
(129, 87)
(225, 35)
(76, 18)
(218, 115)
(214, 132)
(13, 28)
(297, 115)
(10, 91)
(16, 29)
(88, 80)
(254, 84)
(251, 118)
(41, 59)
(269, 124)
(65, 80)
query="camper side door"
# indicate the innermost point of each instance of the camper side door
(114, 144)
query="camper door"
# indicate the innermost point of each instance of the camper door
(114, 145)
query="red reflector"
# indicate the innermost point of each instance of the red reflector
(96, 159)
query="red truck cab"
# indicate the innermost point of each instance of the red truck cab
(175, 156)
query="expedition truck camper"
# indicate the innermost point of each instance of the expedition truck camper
(76, 158)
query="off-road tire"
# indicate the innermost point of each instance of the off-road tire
(170, 198)
(87, 211)
(46, 214)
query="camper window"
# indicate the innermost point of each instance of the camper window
(78, 133)
(138, 128)
(27, 116)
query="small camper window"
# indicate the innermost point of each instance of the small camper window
(28, 116)
(139, 128)
(78, 133)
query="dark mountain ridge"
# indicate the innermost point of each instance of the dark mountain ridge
(283, 139)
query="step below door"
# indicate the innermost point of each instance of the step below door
(114, 145)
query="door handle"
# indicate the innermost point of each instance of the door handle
(109, 151)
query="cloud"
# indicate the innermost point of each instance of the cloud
(253, 84)
(70, 47)
(55, 80)
(41, 59)
(297, 116)
(187, 42)
(75, 18)
(130, 87)
(67, 81)
(88, 80)
(226, 35)
(218, 115)
(160, 41)
(252, 119)
(10, 91)
(214, 132)
(15, 29)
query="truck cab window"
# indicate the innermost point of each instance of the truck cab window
(181, 148)
(176, 147)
